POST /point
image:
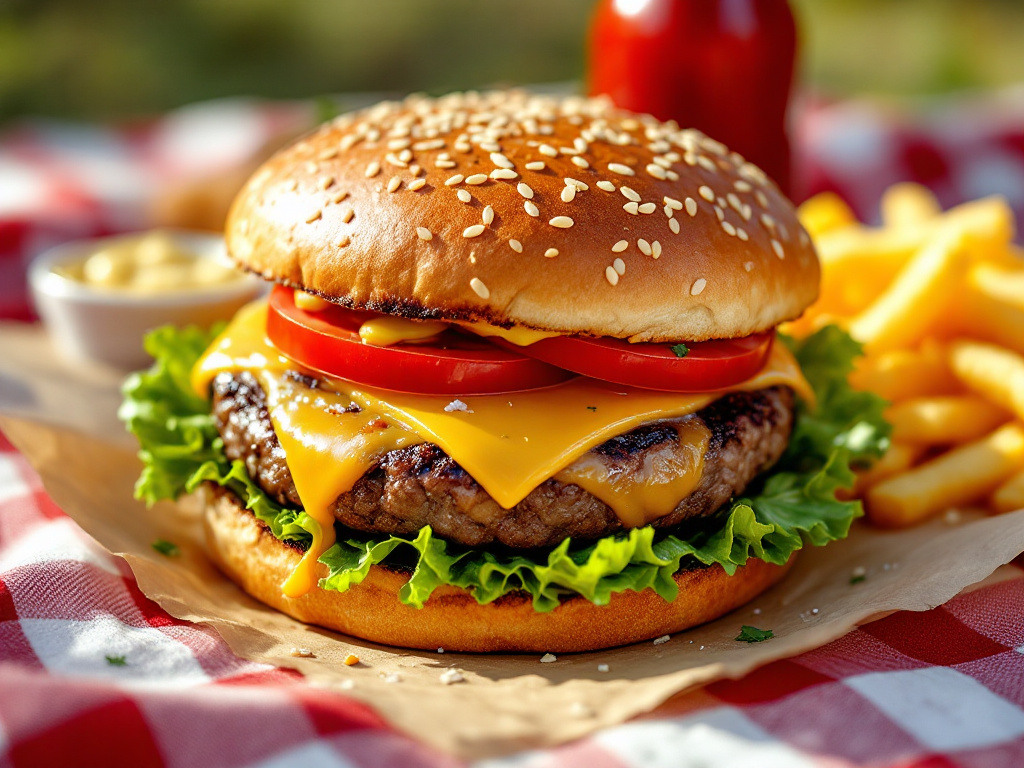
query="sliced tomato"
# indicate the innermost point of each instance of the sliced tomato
(705, 367)
(455, 364)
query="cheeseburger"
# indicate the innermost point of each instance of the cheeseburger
(517, 386)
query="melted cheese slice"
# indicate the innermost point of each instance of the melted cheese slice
(509, 444)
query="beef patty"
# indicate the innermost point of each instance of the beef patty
(421, 485)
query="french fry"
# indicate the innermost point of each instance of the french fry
(1009, 496)
(907, 373)
(899, 458)
(907, 204)
(992, 371)
(825, 212)
(917, 298)
(944, 420)
(957, 477)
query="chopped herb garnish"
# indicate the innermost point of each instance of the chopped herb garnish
(858, 578)
(680, 350)
(166, 548)
(116, 661)
(749, 634)
(591, 407)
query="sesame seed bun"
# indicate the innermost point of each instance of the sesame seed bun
(451, 619)
(561, 215)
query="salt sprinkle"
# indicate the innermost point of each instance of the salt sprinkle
(457, 405)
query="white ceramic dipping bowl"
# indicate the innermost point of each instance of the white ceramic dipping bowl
(107, 325)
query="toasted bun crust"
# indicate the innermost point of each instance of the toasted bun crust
(342, 214)
(451, 618)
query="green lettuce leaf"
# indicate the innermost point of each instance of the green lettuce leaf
(790, 507)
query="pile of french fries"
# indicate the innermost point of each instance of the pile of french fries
(937, 299)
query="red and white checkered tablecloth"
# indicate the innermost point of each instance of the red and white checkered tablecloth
(92, 673)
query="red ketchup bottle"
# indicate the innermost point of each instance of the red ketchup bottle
(724, 67)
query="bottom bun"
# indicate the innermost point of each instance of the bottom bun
(451, 619)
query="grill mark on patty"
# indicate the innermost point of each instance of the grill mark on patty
(421, 485)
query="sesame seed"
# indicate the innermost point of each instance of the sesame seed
(504, 173)
(762, 198)
(632, 208)
(672, 203)
(394, 183)
(672, 175)
(473, 231)
(648, 208)
(644, 246)
(395, 160)
(536, 165)
(691, 206)
(343, 241)
(673, 224)
(579, 162)
(777, 247)
(423, 233)
(550, 253)
(620, 246)
(524, 189)
(346, 215)
(767, 221)
(607, 186)
(417, 184)
(405, 156)
(630, 194)
(748, 265)
(531, 208)
(619, 168)
(656, 171)
(547, 149)
(312, 167)
(698, 286)
(479, 288)
(562, 222)
(620, 266)
(568, 193)
(656, 249)
(501, 161)
(734, 202)
(741, 233)
(458, 178)
(729, 228)
(464, 196)
(580, 186)
(372, 169)
(476, 178)
(719, 213)
(488, 215)
(326, 182)
(707, 193)
(515, 245)
(314, 215)
(742, 186)
(611, 275)
(669, 213)
(747, 212)
(706, 163)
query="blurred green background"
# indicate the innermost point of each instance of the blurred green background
(104, 59)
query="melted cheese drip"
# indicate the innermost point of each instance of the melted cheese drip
(510, 444)
(521, 337)
(328, 447)
(388, 331)
(641, 497)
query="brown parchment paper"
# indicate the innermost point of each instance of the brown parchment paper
(62, 419)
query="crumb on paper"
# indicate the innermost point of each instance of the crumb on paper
(547, 658)
(348, 685)
(662, 640)
(390, 677)
(351, 660)
(757, 611)
(452, 676)
(602, 667)
(301, 653)
(457, 405)
(440, 650)
(952, 516)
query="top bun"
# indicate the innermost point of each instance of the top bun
(559, 214)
